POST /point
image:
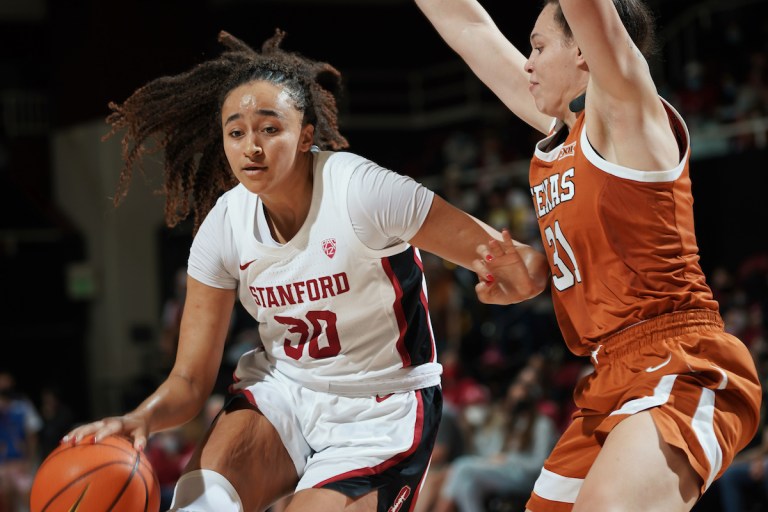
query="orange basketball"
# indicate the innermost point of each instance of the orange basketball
(96, 477)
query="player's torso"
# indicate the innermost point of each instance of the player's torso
(620, 243)
(329, 305)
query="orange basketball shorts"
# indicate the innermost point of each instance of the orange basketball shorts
(698, 382)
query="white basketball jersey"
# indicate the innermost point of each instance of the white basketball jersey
(333, 314)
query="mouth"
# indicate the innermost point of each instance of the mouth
(253, 169)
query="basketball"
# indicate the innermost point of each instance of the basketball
(96, 477)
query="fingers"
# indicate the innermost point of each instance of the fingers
(483, 292)
(507, 237)
(496, 249)
(109, 427)
(503, 275)
(139, 439)
(96, 431)
(77, 435)
(482, 271)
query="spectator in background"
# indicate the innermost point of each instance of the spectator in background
(449, 445)
(524, 438)
(58, 418)
(20, 424)
(168, 451)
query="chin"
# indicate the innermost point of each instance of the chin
(544, 109)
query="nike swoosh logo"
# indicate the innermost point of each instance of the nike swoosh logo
(244, 266)
(659, 366)
(382, 398)
(76, 505)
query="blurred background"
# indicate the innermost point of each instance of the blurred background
(90, 292)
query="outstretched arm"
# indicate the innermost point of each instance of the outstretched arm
(182, 395)
(458, 237)
(469, 30)
(624, 114)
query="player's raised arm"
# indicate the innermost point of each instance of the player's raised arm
(616, 65)
(469, 30)
(624, 113)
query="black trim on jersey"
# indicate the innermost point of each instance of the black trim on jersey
(417, 340)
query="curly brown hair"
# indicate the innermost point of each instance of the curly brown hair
(180, 115)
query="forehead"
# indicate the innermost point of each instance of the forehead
(259, 95)
(546, 26)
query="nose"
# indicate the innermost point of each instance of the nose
(528, 66)
(253, 149)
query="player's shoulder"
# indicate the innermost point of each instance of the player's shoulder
(344, 167)
(234, 198)
(238, 190)
(237, 195)
(342, 159)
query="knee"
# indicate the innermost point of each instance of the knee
(203, 490)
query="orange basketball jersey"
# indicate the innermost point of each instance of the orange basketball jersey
(628, 290)
(620, 242)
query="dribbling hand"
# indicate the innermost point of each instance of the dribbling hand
(129, 425)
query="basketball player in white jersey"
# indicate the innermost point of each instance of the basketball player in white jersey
(340, 404)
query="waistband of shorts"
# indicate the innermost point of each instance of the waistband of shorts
(402, 380)
(659, 328)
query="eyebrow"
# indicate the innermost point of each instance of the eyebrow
(263, 112)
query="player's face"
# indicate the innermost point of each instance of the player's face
(264, 140)
(553, 66)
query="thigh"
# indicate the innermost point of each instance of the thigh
(245, 447)
(637, 470)
(331, 501)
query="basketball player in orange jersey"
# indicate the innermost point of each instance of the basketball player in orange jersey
(673, 397)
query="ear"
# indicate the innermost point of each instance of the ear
(307, 137)
(581, 63)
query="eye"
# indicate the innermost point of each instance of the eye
(270, 129)
(235, 133)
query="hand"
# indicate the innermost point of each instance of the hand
(132, 425)
(504, 277)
